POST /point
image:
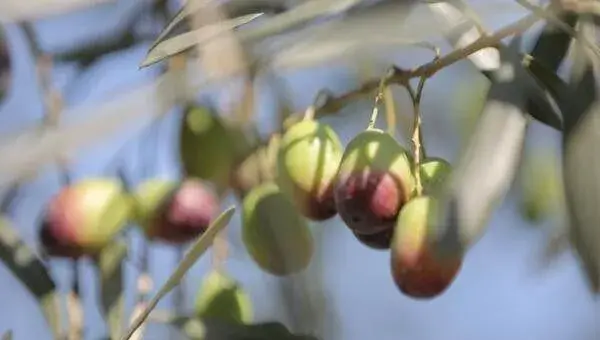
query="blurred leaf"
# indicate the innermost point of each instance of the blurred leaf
(234, 8)
(26, 267)
(488, 166)
(548, 53)
(213, 329)
(552, 45)
(190, 258)
(161, 50)
(462, 30)
(8, 335)
(581, 162)
(110, 268)
(294, 17)
(552, 19)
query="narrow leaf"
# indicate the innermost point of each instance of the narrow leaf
(581, 162)
(463, 31)
(552, 45)
(182, 42)
(581, 167)
(548, 53)
(32, 273)
(488, 167)
(190, 258)
(277, 24)
(110, 269)
(233, 8)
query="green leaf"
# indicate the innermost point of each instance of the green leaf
(168, 48)
(213, 329)
(110, 269)
(28, 268)
(190, 258)
(581, 168)
(552, 45)
(277, 24)
(233, 8)
(548, 53)
(491, 160)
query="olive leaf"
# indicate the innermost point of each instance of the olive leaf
(488, 166)
(213, 329)
(27, 267)
(464, 31)
(235, 8)
(110, 269)
(581, 165)
(180, 43)
(277, 24)
(190, 258)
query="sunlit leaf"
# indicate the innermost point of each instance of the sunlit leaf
(212, 329)
(180, 43)
(277, 24)
(549, 50)
(463, 30)
(27, 268)
(488, 166)
(552, 45)
(110, 270)
(190, 258)
(234, 8)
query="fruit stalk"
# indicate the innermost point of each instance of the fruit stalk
(375, 113)
(418, 149)
(390, 110)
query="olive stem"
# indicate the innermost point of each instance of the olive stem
(309, 114)
(378, 98)
(390, 110)
(417, 140)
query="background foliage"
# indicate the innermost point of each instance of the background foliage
(97, 90)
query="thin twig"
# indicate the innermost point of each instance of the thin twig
(400, 76)
(549, 16)
(416, 138)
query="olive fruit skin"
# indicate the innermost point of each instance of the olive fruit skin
(206, 146)
(373, 182)
(174, 212)
(307, 163)
(416, 268)
(220, 297)
(274, 233)
(434, 173)
(84, 217)
(379, 241)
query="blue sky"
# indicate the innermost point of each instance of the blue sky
(502, 292)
